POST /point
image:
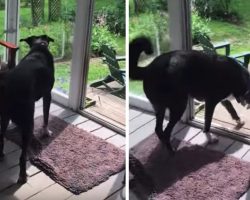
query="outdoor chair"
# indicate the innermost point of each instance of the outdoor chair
(116, 74)
(209, 48)
(11, 61)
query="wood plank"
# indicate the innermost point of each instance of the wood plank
(187, 133)
(141, 133)
(55, 192)
(238, 149)
(117, 140)
(107, 105)
(75, 119)
(89, 126)
(104, 133)
(199, 139)
(147, 130)
(10, 160)
(246, 196)
(8, 178)
(9, 146)
(133, 114)
(222, 144)
(103, 190)
(118, 195)
(140, 121)
(34, 185)
(63, 113)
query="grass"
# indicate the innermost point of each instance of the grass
(97, 70)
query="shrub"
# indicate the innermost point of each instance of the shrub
(217, 9)
(152, 26)
(100, 36)
(54, 30)
(199, 27)
(69, 11)
(114, 18)
(142, 6)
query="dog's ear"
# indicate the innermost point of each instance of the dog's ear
(28, 40)
(50, 39)
(47, 38)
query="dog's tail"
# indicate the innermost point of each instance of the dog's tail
(136, 47)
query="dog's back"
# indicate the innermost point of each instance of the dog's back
(190, 72)
(32, 77)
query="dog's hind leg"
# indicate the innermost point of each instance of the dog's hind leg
(26, 126)
(4, 124)
(46, 107)
(176, 113)
(229, 107)
(209, 111)
(159, 113)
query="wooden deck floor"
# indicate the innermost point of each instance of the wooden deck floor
(222, 118)
(142, 124)
(107, 106)
(40, 186)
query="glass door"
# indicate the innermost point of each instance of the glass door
(105, 76)
(225, 25)
(150, 19)
(56, 18)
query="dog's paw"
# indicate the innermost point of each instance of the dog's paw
(46, 132)
(22, 180)
(239, 124)
(212, 139)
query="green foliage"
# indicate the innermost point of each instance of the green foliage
(69, 11)
(54, 30)
(100, 36)
(2, 4)
(217, 9)
(113, 17)
(199, 27)
(151, 25)
(142, 6)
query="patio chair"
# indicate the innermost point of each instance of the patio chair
(116, 74)
(12, 49)
(209, 48)
(11, 61)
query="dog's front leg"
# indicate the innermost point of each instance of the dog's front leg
(209, 110)
(229, 107)
(46, 107)
(4, 125)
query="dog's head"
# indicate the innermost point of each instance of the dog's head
(43, 40)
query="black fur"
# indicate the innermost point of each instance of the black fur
(171, 77)
(30, 80)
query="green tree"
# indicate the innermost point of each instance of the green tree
(54, 10)
(37, 11)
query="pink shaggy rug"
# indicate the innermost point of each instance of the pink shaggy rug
(193, 173)
(73, 157)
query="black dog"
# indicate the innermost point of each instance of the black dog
(30, 80)
(171, 77)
